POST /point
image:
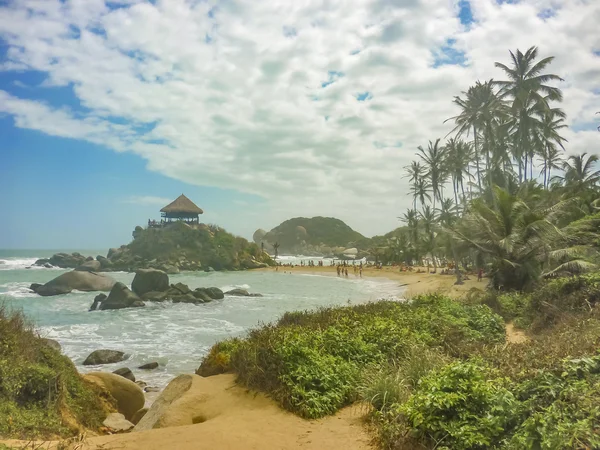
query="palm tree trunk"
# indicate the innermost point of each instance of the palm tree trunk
(476, 156)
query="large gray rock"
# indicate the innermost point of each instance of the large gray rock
(89, 266)
(259, 236)
(169, 269)
(215, 293)
(121, 297)
(180, 288)
(202, 295)
(117, 423)
(149, 280)
(153, 296)
(104, 356)
(105, 263)
(63, 260)
(97, 300)
(129, 396)
(81, 281)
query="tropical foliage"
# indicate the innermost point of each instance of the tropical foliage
(500, 193)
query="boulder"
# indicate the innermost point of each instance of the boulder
(104, 357)
(51, 343)
(125, 372)
(149, 280)
(128, 395)
(181, 288)
(121, 297)
(65, 261)
(81, 281)
(259, 236)
(117, 423)
(154, 296)
(215, 293)
(172, 407)
(209, 269)
(105, 263)
(151, 389)
(187, 298)
(42, 262)
(89, 266)
(241, 293)
(149, 366)
(112, 252)
(202, 295)
(97, 300)
(35, 286)
(138, 416)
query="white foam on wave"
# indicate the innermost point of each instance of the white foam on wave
(17, 289)
(230, 287)
(17, 263)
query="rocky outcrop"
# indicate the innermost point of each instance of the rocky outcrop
(154, 296)
(172, 407)
(117, 423)
(125, 372)
(89, 266)
(121, 297)
(104, 356)
(128, 395)
(63, 260)
(138, 416)
(149, 280)
(76, 280)
(241, 293)
(97, 300)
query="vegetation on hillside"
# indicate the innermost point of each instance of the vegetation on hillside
(301, 232)
(206, 246)
(41, 393)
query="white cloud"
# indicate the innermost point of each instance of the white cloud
(232, 90)
(147, 200)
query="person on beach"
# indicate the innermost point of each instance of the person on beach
(360, 270)
(339, 269)
(346, 271)
(480, 274)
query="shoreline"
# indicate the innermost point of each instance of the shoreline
(413, 283)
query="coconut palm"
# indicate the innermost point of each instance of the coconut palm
(516, 237)
(458, 158)
(579, 173)
(421, 191)
(434, 161)
(414, 172)
(529, 94)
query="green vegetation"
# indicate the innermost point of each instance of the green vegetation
(311, 362)
(208, 245)
(41, 392)
(301, 233)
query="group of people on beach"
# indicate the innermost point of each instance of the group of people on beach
(342, 269)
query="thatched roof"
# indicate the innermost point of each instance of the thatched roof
(182, 204)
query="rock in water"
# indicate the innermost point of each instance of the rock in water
(125, 372)
(215, 293)
(149, 366)
(89, 266)
(97, 300)
(82, 281)
(104, 357)
(241, 293)
(153, 296)
(117, 422)
(149, 280)
(121, 297)
(35, 286)
(129, 396)
(180, 288)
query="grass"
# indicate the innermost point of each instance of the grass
(41, 393)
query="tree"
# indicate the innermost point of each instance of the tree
(276, 248)
(458, 158)
(415, 172)
(529, 94)
(421, 191)
(579, 172)
(434, 158)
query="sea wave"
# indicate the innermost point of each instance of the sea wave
(17, 289)
(17, 263)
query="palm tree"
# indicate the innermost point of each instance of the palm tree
(434, 159)
(480, 111)
(414, 172)
(458, 159)
(515, 236)
(276, 248)
(579, 173)
(551, 157)
(428, 221)
(530, 95)
(421, 191)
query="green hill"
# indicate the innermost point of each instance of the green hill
(312, 235)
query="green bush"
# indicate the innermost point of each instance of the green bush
(461, 407)
(311, 362)
(41, 392)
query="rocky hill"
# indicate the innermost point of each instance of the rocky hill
(319, 236)
(175, 247)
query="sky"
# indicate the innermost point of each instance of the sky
(258, 111)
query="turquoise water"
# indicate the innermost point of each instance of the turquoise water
(175, 335)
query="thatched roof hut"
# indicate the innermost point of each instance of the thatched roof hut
(181, 208)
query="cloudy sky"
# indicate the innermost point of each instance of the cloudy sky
(257, 110)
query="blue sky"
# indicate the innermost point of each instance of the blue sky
(106, 113)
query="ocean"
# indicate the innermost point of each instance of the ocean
(177, 336)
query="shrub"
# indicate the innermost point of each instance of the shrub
(311, 361)
(461, 407)
(41, 393)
